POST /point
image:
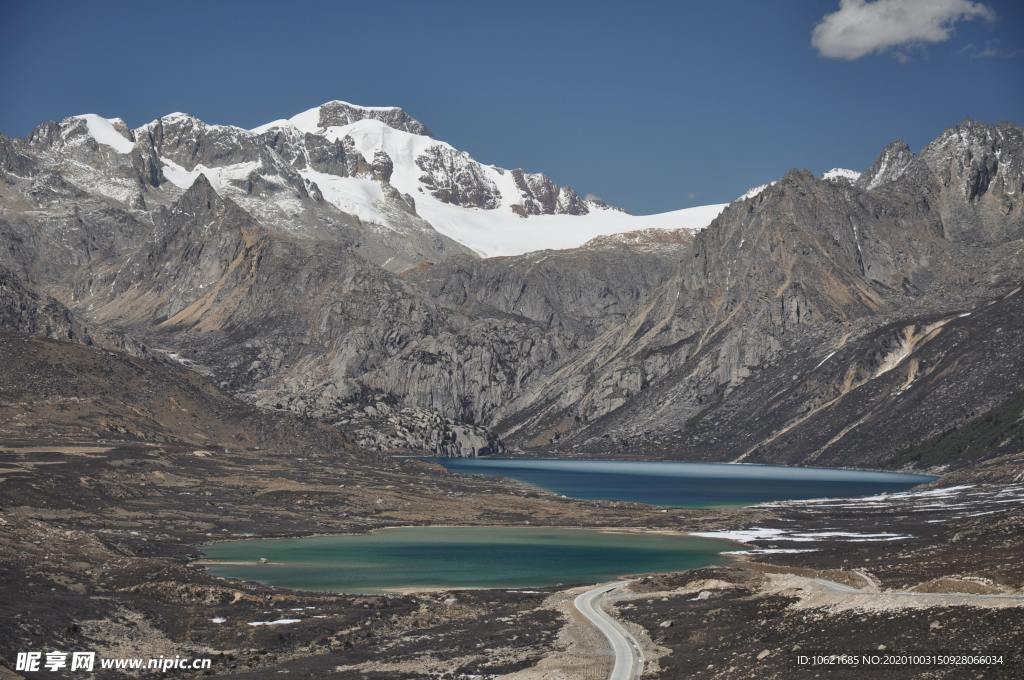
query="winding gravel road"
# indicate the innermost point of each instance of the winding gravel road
(629, 660)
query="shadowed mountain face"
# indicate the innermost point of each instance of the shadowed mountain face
(816, 322)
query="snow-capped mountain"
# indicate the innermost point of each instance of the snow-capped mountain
(377, 164)
(220, 246)
(492, 210)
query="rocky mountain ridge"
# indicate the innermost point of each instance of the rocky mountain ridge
(654, 342)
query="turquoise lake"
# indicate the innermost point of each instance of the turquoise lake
(685, 484)
(459, 557)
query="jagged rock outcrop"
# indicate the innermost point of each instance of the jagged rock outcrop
(889, 166)
(13, 160)
(305, 151)
(453, 177)
(336, 114)
(541, 196)
(187, 141)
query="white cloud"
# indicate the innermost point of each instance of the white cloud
(859, 27)
(992, 49)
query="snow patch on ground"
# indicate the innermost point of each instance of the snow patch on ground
(754, 534)
(770, 551)
(278, 622)
(765, 534)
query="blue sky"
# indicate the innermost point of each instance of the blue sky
(650, 105)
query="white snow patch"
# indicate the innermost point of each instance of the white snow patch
(764, 534)
(219, 177)
(841, 173)
(755, 534)
(770, 551)
(355, 195)
(103, 131)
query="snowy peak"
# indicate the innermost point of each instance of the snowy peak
(337, 113)
(424, 165)
(754, 191)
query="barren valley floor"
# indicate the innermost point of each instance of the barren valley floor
(99, 540)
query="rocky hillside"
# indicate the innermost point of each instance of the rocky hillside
(807, 318)
(799, 308)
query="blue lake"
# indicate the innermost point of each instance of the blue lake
(685, 484)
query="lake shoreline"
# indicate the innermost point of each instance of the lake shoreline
(933, 472)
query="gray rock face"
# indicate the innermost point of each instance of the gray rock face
(303, 150)
(453, 177)
(24, 311)
(13, 160)
(543, 197)
(578, 293)
(382, 167)
(379, 425)
(976, 174)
